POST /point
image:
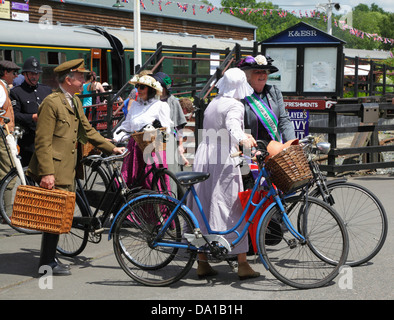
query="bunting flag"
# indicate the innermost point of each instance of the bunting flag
(263, 12)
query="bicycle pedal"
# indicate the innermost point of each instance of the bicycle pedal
(99, 231)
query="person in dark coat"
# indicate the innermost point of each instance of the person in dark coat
(25, 100)
(265, 113)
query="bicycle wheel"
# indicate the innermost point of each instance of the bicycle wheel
(364, 217)
(303, 264)
(162, 178)
(137, 252)
(73, 243)
(8, 189)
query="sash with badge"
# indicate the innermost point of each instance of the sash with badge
(265, 115)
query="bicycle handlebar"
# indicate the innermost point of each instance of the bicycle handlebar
(260, 154)
(110, 158)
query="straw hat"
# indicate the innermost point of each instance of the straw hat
(148, 81)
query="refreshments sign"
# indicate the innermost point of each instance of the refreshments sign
(308, 104)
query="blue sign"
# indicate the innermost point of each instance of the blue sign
(300, 119)
(302, 33)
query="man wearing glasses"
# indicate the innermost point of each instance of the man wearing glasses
(8, 72)
(25, 100)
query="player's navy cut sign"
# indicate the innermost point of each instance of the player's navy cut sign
(300, 119)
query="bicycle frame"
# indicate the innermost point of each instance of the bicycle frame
(119, 192)
(180, 204)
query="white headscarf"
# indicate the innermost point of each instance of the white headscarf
(234, 84)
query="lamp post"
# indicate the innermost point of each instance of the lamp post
(327, 7)
(137, 34)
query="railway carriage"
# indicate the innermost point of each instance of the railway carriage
(107, 51)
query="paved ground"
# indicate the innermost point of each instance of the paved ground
(96, 274)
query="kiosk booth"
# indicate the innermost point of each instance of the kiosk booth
(310, 76)
(310, 62)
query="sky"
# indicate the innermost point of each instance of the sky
(306, 5)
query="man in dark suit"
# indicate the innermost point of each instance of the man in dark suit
(61, 129)
(25, 100)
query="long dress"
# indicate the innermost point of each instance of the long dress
(140, 114)
(222, 132)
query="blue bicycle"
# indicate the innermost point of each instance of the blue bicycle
(301, 240)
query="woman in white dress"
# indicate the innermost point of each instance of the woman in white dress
(144, 111)
(221, 136)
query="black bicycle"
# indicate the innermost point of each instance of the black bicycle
(94, 208)
(364, 215)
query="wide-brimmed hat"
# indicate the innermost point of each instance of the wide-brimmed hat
(258, 62)
(234, 84)
(148, 81)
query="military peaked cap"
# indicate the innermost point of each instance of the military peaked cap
(77, 65)
(5, 64)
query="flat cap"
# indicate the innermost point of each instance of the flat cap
(5, 64)
(76, 65)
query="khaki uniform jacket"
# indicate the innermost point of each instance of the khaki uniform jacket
(57, 151)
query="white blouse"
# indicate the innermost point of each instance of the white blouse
(142, 113)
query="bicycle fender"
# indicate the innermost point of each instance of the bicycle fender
(162, 196)
(336, 181)
(257, 234)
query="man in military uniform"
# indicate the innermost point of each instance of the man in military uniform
(8, 72)
(25, 100)
(61, 129)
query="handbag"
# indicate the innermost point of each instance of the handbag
(43, 210)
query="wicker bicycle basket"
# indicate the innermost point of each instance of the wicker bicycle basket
(146, 138)
(88, 149)
(44, 210)
(289, 169)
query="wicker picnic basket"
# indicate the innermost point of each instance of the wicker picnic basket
(44, 210)
(289, 169)
(145, 138)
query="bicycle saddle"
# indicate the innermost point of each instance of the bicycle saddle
(187, 178)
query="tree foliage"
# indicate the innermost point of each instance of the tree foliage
(370, 20)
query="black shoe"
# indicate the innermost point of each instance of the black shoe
(65, 266)
(61, 270)
(57, 269)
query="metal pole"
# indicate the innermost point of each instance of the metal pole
(329, 17)
(137, 33)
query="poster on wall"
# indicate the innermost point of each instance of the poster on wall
(285, 59)
(300, 120)
(320, 69)
(5, 12)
